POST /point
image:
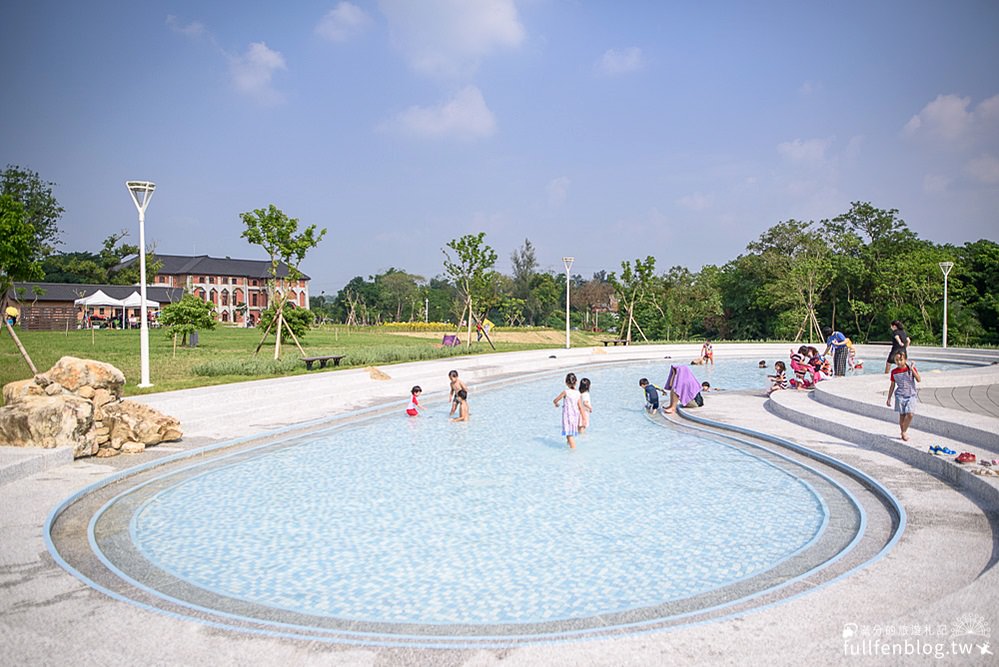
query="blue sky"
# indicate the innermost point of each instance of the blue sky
(603, 130)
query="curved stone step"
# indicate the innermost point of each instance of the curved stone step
(801, 408)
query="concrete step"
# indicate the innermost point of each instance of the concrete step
(802, 408)
(20, 462)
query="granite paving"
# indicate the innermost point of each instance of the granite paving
(936, 585)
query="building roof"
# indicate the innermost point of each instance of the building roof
(44, 292)
(184, 265)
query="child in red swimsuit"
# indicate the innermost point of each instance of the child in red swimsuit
(414, 403)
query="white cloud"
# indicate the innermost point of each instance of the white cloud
(985, 169)
(988, 110)
(194, 29)
(810, 150)
(558, 190)
(946, 116)
(448, 38)
(343, 22)
(695, 202)
(464, 116)
(935, 183)
(615, 62)
(252, 72)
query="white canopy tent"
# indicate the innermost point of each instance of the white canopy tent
(99, 298)
(134, 300)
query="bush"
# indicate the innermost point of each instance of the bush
(248, 367)
(299, 319)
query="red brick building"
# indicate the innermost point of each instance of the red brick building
(236, 287)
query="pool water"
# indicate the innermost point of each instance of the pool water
(420, 520)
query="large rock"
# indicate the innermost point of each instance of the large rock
(49, 421)
(76, 403)
(15, 391)
(73, 374)
(132, 422)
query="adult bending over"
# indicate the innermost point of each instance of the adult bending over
(683, 388)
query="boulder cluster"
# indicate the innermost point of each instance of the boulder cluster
(78, 403)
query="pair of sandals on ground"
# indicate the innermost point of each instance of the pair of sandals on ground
(967, 457)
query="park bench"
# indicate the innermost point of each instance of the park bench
(616, 342)
(335, 358)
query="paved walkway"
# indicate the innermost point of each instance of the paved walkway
(942, 569)
(980, 399)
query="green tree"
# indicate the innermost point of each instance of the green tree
(41, 209)
(297, 319)
(186, 316)
(467, 268)
(544, 298)
(398, 291)
(30, 214)
(802, 268)
(278, 235)
(107, 266)
(525, 266)
(974, 282)
(594, 296)
(872, 242)
(632, 287)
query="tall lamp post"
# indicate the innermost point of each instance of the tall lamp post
(142, 192)
(568, 265)
(945, 267)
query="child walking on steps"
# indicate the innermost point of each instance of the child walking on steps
(903, 386)
(571, 409)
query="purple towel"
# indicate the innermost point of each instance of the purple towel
(682, 381)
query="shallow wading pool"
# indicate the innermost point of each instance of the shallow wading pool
(422, 527)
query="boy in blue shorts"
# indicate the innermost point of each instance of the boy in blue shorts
(651, 395)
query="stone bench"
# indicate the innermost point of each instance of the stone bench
(335, 358)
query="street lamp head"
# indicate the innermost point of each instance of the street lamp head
(946, 267)
(568, 262)
(142, 192)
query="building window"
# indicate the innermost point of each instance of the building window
(253, 299)
(253, 282)
(225, 298)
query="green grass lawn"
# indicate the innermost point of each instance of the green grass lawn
(226, 354)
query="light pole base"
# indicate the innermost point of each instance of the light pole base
(143, 386)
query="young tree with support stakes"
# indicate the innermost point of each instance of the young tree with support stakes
(469, 270)
(632, 287)
(278, 235)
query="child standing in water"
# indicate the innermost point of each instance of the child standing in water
(708, 353)
(414, 404)
(456, 386)
(584, 404)
(571, 408)
(461, 401)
